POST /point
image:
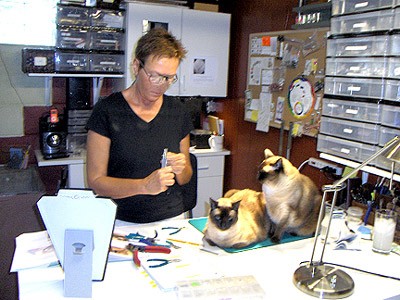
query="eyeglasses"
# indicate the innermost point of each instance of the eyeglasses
(159, 79)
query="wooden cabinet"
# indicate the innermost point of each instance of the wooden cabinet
(205, 35)
(210, 179)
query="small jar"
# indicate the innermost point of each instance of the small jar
(353, 218)
(338, 218)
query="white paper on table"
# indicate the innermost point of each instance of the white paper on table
(33, 250)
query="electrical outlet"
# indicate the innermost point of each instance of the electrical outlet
(320, 164)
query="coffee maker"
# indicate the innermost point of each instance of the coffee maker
(53, 135)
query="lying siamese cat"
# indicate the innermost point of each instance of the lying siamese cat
(237, 220)
(292, 199)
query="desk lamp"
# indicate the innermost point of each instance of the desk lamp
(327, 282)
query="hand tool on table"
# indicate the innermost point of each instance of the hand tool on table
(149, 249)
(162, 262)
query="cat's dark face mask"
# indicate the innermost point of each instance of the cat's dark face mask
(224, 217)
(268, 170)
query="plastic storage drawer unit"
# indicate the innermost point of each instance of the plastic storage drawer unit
(366, 22)
(107, 40)
(345, 149)
(107, 18)
(391, 116)
(72, 16)
(340, 7)
(394, 45)
(107, 63)
(71, 62)
(359, 46)
(73, 38)
(392, 90)
(386, 134)
(356, 67)
(356, 131)
(393, 68)
(351, 110)
(355, 87)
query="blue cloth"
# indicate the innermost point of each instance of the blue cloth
(200, 224)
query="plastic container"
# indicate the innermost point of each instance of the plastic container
(362, 46)
(356, 131)
(341, 7)
(366, 22)
(352, 110)
(354, 217)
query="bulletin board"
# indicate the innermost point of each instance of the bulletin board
(285, 80)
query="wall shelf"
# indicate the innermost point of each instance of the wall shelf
(97, 82)
(324, 11)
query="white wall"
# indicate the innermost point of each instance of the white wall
(16, 91)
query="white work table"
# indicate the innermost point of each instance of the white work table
(273, 268)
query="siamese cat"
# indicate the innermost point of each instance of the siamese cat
(292, 199)
(237, 220)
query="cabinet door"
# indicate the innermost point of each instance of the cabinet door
(207, 187)
(206, 36)
(138, 19)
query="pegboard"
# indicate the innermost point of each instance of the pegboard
(285, 80)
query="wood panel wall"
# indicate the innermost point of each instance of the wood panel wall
(247, 144)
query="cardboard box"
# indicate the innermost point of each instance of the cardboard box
(206, 7)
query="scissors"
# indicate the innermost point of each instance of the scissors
(162, 262)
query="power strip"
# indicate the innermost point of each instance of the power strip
(321, 164)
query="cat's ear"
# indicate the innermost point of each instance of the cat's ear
(235, 205)
(268, 153)
(213, 203)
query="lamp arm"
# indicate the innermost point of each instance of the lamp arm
(389, 144)
(337, 186)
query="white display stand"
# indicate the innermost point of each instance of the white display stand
(78, 218)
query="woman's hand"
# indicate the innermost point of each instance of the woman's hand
(177, 161)
(159, 181)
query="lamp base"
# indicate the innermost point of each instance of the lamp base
(323, 281)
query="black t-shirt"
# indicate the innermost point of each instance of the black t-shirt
(136, 150)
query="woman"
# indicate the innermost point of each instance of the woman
(129, 130)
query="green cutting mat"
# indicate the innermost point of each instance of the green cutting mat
(200, 223)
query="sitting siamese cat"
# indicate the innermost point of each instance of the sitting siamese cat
(292, 199)
(237, 220)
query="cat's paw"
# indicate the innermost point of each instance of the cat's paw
(275, 239)
(239, 245)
